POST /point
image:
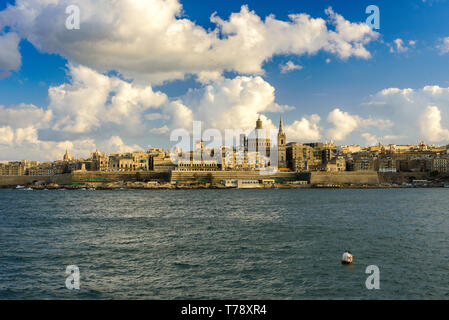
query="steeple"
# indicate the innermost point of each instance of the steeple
(281, 126)
(282, 141)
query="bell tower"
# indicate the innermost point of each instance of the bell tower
(282, 142)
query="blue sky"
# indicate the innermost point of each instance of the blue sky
(319, 87)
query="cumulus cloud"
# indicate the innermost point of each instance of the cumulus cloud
(419, 113)
(25, 115)
(87, 112)
(431, 127)
(24, 144)
(10, 58)
(230, 103)
(306, 129)
(6, 135)
(345, 123)
(93, 101)
(116, 145)
(151, 40)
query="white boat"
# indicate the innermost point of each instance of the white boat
(20, 187)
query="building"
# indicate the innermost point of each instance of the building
(386, 164)
(136, 161)
(100, 161)
(67, 156)
(14, 168)
(440, 165)
(337, 164)
(197, 165)
(362, 162)
(282, 142)
(299, 156)
(258, 147)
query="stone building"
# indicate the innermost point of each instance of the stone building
(258, 147)
(299, 156)
(282, 143)
(100, 161)
(136, 161)
(17, 168)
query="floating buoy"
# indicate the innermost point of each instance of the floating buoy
(348, 258)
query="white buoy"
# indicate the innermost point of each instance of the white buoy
(348, 258)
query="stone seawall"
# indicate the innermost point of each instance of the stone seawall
(217, 176)
(97, 176)
(344, 178)
(12, 181)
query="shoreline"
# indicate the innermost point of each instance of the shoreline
(199, 187)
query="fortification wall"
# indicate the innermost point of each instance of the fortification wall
(217, 176)
(347, 177)
(11, 181)
(92, 176)
(401, 177)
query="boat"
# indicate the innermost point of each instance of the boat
(20, 187)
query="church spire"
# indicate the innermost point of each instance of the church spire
(281, 126)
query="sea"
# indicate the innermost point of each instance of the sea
(224, 244)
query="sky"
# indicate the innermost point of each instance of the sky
(137, 71)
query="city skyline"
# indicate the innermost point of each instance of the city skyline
(319, 65)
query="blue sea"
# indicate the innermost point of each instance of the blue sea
(224, 244)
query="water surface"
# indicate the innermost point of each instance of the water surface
(224, 244)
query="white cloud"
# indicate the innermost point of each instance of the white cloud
(156, 116)
(92, 101)
(151, 40)
(409, 110)
(399, 46)
(24, 144)
(116, 145)
(431, 127)
(161, 130)
(307, 129)
(370, 139)
(289, 66)
(6, 135)
(345, 123)
(25, 115)
(443, 45)
(231, 103)
(10, 58)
